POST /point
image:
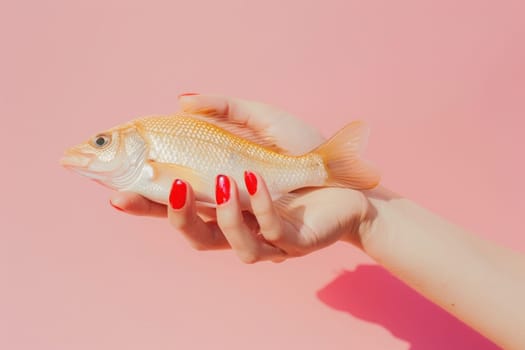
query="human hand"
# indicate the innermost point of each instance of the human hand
(309, 220)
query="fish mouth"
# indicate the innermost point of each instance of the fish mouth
(75, 160)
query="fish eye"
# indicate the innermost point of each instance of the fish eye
(100, 141)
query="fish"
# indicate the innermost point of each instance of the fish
(147, 154)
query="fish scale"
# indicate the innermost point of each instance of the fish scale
(206, 148)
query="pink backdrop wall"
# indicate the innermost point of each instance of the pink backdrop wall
(441, 82)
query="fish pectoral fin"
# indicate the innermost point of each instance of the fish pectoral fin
(238, 128)
(165, 173)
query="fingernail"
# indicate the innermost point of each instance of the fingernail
(188, 94)
(222, 189)
(251, 182)
(178, 194)
(114, 206)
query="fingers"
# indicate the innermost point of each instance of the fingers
(252, 238)
(262, 206)
(135, 204)
(182, 215)
(242, 239)
(273, 228)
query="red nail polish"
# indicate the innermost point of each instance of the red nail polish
(188, 94)
(114, 206)
(178, 194)
(251, 182)
(222, 189)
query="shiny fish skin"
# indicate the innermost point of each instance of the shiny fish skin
(147, 154)
(208, 149)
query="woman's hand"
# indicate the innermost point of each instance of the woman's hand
(307, 220)
(479, 282)
(464, 274)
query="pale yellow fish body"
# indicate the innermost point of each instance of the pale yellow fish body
(146, 155)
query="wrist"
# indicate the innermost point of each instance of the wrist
(371, 229)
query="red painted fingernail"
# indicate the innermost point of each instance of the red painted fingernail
(114, 206)
(188, 94)
(178, 194)
(251, 182)
(222, 189)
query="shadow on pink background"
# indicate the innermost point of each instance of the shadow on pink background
(372, 294)
(442, 84)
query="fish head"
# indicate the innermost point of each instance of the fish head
(113, 158)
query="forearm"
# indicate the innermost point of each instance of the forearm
(479, 282)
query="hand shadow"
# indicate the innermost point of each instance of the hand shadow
(374, 295)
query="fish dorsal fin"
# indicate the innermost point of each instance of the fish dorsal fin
(237, 128)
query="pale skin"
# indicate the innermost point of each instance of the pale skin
(479, 282)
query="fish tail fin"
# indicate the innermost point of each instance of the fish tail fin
(341, 155)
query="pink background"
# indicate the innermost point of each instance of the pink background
(441, 82)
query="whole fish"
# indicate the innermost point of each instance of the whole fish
(147, 154)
